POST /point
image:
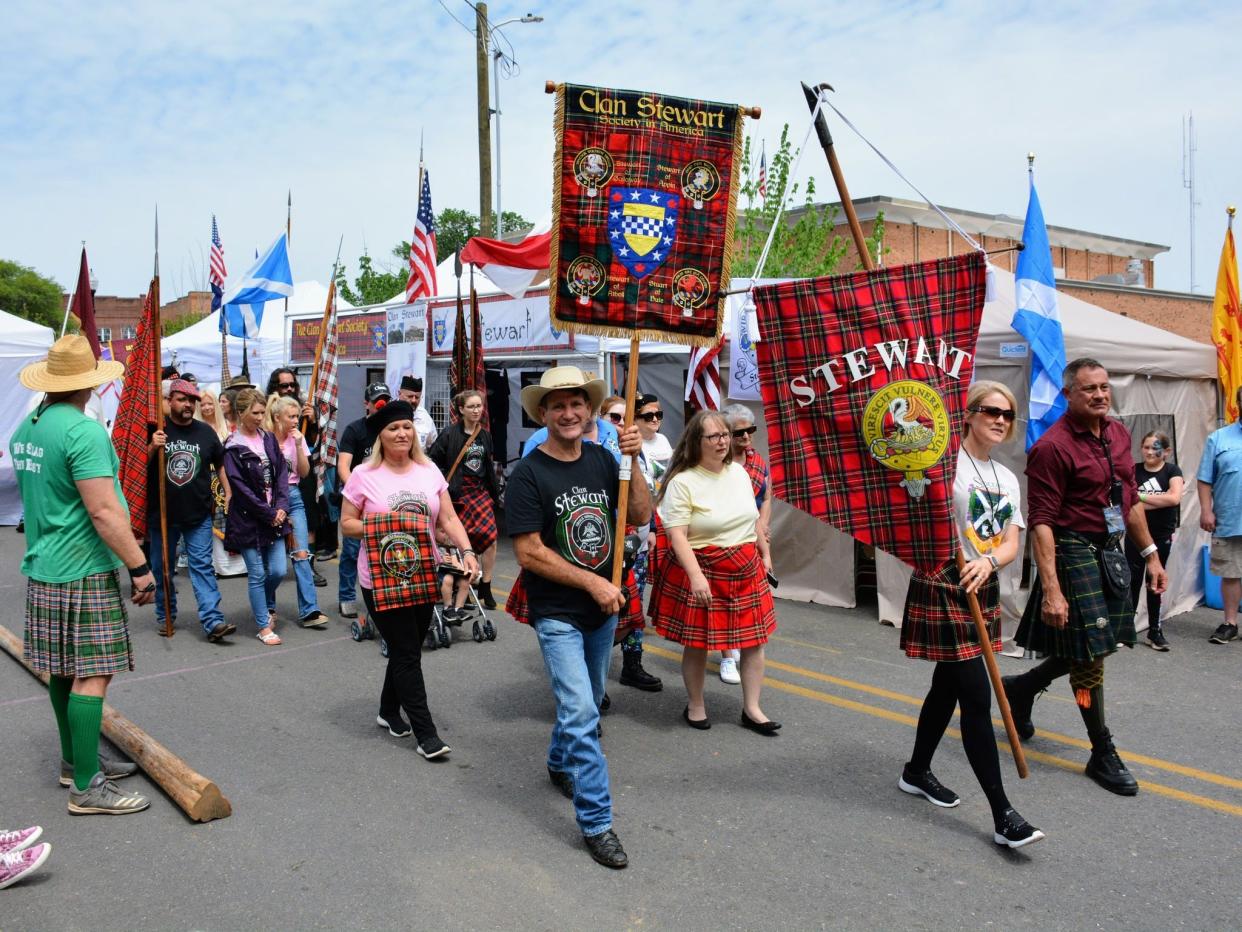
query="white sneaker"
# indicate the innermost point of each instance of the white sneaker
(728, 671)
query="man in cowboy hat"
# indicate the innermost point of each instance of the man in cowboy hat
(560, 509)
(77, 535)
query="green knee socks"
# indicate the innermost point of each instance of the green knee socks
(85, 716)
(58, 691)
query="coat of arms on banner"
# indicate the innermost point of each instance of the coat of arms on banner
(864, 381)
(644, 206)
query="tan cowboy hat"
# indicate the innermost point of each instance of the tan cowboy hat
(70, 366)
(555, 379)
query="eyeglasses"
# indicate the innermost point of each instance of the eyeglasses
(1007, 414)
(652, 416)
(616, 418)
(715, 438)
(744, 432)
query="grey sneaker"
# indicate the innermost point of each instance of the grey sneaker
(112, 769)
(103, 798)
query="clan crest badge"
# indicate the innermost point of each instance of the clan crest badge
(642, 226)
(906, 428)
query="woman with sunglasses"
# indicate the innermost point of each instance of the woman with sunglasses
(938, 626)
(656, 447)
(710, 592)
(1160, 486)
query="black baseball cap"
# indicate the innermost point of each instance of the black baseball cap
(376, 391)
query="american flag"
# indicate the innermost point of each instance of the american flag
(324, 397)
(703, 378)
(218, 271)
(422, 281)
(763, 174)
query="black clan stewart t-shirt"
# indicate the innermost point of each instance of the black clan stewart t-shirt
(572, 507)
(357, 441)
(189, 454)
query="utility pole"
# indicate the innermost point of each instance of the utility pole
(485, 127)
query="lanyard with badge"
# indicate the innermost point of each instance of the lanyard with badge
(1114, 519)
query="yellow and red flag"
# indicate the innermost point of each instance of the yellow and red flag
(1227, 326)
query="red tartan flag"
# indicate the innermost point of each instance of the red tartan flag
(864, 380)
(644, 204)
(325, 396)
(460, 363)
(140, 393)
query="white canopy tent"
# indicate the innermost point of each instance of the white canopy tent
(24, 342)
(197, 348)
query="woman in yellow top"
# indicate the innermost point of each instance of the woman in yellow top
(711, 593)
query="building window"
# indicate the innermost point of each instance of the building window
(129, 333)
(105, 334)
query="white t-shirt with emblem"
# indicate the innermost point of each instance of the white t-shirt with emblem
(986, 500)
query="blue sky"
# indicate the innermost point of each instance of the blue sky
(107, 109)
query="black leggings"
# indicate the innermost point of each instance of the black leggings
(1138, 576)
(403, 630)
(964, 683)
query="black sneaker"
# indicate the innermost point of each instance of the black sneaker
(396, 725)
(1224, 634)
(432, 748)
(318, 578)
(1106, 768)
(606, 849)
(562, 781)
(926, 785)
(1156, 640)
(1013, 831)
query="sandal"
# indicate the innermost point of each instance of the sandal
(269, 637)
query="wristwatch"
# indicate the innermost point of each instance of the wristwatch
(994, 562)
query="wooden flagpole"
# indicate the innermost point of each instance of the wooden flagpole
(868, 263)
(323, 330)
(161, 460)
(627, 464)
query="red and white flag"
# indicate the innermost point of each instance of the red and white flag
(703, 377)
(422, 280)
(514, 268)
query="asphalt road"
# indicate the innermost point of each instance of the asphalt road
(336, 825)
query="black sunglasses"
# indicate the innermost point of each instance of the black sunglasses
(653, 416)
(744, 432)
(1007, 414)
(616, 418)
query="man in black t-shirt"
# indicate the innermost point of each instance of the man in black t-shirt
(560, 508)
(355, 446)
(191, 451)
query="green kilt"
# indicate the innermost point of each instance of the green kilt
(77, 628)
(1098, 622)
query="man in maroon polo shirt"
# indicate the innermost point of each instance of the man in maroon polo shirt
(1081, 499)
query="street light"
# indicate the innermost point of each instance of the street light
(497, 55)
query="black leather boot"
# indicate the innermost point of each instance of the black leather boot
(484, 590)
(633, 674)
(1106, 768)
(1021, 692)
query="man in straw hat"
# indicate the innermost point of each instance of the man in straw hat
(560, 510)
(77, 535)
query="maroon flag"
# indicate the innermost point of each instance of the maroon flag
(136, 409)
(83, 307)
(864, 380)
(477, 368)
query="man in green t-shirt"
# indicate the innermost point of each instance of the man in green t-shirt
(77, 536)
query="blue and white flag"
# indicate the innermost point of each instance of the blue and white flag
(1036, 317)
(268, 279)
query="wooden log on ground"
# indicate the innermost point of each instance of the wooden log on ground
(194, 794)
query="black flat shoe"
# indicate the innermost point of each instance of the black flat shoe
(702, 724)
(763, 728)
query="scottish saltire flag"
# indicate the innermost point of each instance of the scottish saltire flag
(268, 279)
(218, 272)
(1036, 317)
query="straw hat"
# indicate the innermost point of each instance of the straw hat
(70, 366)
(556, 379)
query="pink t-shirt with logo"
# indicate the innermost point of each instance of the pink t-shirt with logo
(290, 451)
(377, 489)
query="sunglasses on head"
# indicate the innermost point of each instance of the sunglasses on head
(1007, 414)
(652, 416)
(616, 418)
(744, 432)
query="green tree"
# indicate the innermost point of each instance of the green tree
(26, 293)
(806, 244)
(372, 285)
(454, 227)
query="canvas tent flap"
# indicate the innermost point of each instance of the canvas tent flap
(24, 342)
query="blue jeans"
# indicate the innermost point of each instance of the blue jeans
(265, 568)
(307, 600)
(577, 665)
(197, 539)
(348, 569)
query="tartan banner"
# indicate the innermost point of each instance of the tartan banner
(864, 380)
(325, 397)
(135, 410)
(643, 210)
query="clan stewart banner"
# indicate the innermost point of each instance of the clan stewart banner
(864, 380)
(643, 209)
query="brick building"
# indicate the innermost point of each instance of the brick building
(1114, 273)
(117, 318)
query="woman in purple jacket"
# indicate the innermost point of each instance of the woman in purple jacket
(255, 526)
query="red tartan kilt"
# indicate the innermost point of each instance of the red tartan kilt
(937, 623)
(741, 614)
(477, 513)
(631, 613)
(516, 605)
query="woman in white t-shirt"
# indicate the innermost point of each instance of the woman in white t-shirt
(398, 476)
(711, 591)
(938, 624)
(282, 417)
(657, 451)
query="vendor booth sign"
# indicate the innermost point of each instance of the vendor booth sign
(360, 336)
(510, 325)
(407, 342)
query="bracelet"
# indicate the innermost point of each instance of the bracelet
(1148, 551)
(142, 570)
(469, 551)
(1142, 497)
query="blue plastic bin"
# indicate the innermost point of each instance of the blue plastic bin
(1211, 583)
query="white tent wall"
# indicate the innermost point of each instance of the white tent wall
(23, 342)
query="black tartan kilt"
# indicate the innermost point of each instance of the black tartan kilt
(937, 624)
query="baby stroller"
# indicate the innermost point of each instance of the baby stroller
(362, 629)
(444, 618)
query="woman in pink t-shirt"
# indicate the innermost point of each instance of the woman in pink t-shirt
(398, 476)
(282, 416)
